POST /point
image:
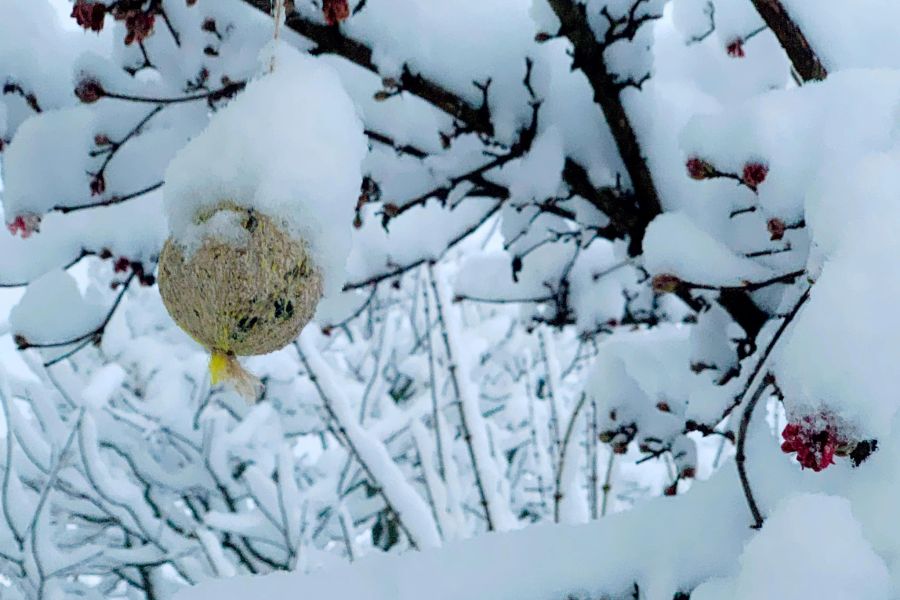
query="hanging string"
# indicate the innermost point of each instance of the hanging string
(278, 14)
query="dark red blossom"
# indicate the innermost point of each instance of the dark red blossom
(89, 15)
(122, 265)
(335, 11)
(699, 169)
(814, 440)
(754, 174)
(139, 26)
(98, 185)
(735, 48)
(89, 90)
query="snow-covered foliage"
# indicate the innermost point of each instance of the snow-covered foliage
(612, 316)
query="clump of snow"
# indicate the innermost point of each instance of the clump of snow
(37, 316)
(783, 129)
(870, 42)
(835, 359)
(57, 142)
(538, 174)
(223, 225)
(675, 245)
(602, 558)
(810, 547)
(105, 382)
(289, 146)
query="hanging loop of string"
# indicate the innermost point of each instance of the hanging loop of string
(278, 15)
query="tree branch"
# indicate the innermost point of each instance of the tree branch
(588, 56)
(795, 44)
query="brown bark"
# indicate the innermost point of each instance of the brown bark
(795, 44)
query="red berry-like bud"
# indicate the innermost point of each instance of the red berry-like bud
(89, 90)
(335, 11)
(98, 185)
(89, 15)
(139, 26)
(209, 24)
(699, 169)
(671, 490)
(122, 264)
(776, 229)
(754, 174)
(735, 48)
(101, 139)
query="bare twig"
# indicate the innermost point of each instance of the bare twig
(111, 201)
(767, 380)
(464, 422)
(567, 439)
(91, 336)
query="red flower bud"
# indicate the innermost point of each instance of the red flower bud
(735, 48)
(139, 26)
(98, 185)
(776, 228)
(89, 90)
(89, 15)
(122, 265)
(335, 11)
(754, 174)
(699, 169)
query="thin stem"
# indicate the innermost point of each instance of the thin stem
(741, 457)
(110, 201)
(464, 422)
(90, 335)
(558, 496)
(607, 483)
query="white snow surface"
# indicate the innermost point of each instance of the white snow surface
(537, 563)
(34, 316)
(811, 546)
(290, 145)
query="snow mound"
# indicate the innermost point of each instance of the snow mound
(37, 316)
(810, 547)
(59, 140)
(675, 245)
